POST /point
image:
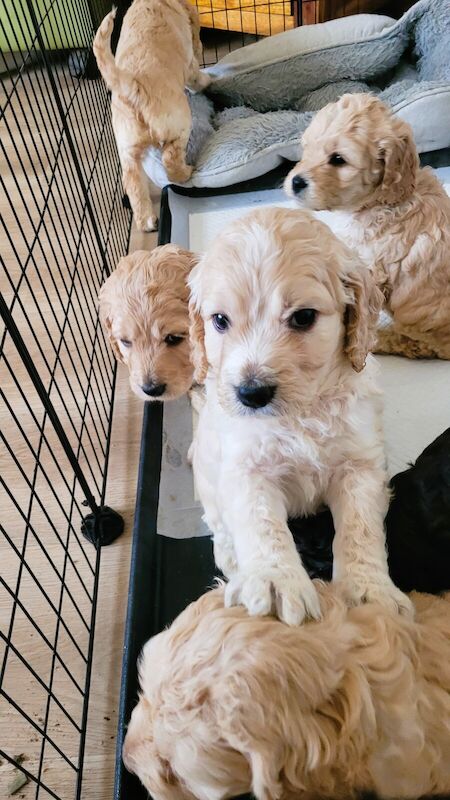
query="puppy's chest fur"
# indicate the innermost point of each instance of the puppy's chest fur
(298, 454)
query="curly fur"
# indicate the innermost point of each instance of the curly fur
(157, 55)
(318, 441)
(400, 216)
(359, 701)
(142, 302)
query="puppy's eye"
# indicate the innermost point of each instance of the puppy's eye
(172, 340)
(220, 322)
(336, 160)
(125, 342)
(303, 319)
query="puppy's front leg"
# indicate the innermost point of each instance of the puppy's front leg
(270, 576)
(358, 500)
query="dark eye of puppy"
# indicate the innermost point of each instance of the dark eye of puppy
(172, 339)
(303, 319)
(336, 160)
(125, 342)
(220, 322)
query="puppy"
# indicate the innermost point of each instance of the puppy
(358, 702)
(282, 318)
(144, 308)
(359, 157)
(157, 56)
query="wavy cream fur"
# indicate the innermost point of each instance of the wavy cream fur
(359, 701)
(319, 440)
(142, 301)
(157, 55)
(400, 216)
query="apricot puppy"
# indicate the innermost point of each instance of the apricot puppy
(144, 308)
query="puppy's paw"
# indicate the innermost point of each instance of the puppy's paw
(147, 224)
(181, 174)
(284, 590)
(379, 589)
(150, 224)
(202, 81)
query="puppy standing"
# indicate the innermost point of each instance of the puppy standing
(359, 157)
(157, 56)
(144, 308)
(282, 322)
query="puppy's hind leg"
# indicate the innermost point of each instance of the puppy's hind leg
(137, 187)
(391, 341)
(174, 160)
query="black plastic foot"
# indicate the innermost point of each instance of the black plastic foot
(102, 528)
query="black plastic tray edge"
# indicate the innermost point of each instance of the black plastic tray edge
(143, 571)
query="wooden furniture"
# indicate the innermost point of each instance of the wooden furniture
(260, 17)
(266, 17)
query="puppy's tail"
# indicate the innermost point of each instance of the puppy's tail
(117, 80)
(103, 53)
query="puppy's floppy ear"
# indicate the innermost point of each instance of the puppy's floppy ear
(197, 339)
(106, 309)
(361, 314)
(398, 152)
(197, 327)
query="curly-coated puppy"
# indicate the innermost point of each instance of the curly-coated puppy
(157, 56)
(283, 315)
(358, 702)
(359, 157)
(144, 308)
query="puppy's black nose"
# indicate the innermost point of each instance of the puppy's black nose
(254, 394)
(298, 183)
(154, 389)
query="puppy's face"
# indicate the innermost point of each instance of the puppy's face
(356, 154)
(270, 304)
(144, 307)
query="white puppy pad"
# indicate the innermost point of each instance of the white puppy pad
(416, 393)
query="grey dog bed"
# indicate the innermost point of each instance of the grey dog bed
(263, 96)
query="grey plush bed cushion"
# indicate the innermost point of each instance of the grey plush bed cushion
(278, 71)
(271, 89)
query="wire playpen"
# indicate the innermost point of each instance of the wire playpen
(63, 229)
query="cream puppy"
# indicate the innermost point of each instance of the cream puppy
(361, 159)
(144, 308)
(282, 321)
(356, 703)
(157, 56)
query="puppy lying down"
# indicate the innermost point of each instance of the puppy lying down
(359, 701)
(144, 308)
(360, 158)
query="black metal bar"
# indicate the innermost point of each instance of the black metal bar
(46, 402)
